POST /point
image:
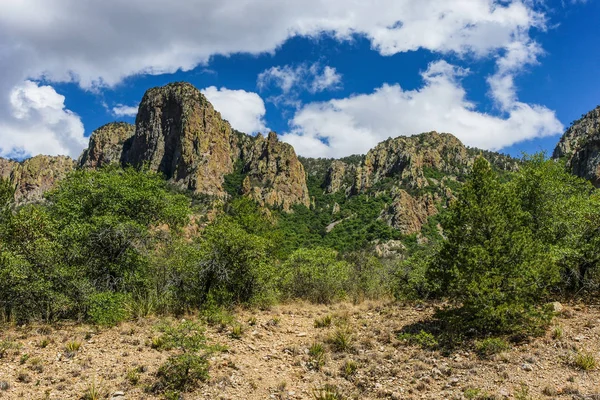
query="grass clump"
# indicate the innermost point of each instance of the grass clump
(237, 331)
(72, 347)
(490, 346)
(324, 322)
(341, 340)
(349, 368)
(558, 332)
(585, 361)
(317, 354)
(6, 346)
(95, 391)
(327, 392)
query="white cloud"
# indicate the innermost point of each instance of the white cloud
(328, 79)
(38, 123)
(99, 43)
(245, 111)
(122, 110)
(354, 125)
(313, 78)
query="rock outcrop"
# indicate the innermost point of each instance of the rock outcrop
(580, 146)
(274, 175)
(407, 213)
(107, 145)
(340, 176)
(409, 159)
(179, 133)
(35, 176)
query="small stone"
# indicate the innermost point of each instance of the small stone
(454, 381)
(527, 367)
(118, 396)
(504, 392)
(4, 385)
(556, 307)
(302, 334)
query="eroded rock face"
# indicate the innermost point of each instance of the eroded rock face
(408, 159)
(275, 176)
(407, 213)
(35, 176)
(179, 133)
(107, 145)
(340, 176)
(580, 146)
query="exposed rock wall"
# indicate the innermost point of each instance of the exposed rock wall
(107, 145)
(580, 146)
(275, 176)
(35, 176)
(179, 133)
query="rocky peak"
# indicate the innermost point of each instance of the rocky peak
(580, 146)
(179, 133)
(107, 145)
(274, 175)
(35, 176)
(408, 160)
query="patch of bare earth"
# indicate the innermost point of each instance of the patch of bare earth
(273, 359)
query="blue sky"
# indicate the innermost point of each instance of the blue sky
(332, 77)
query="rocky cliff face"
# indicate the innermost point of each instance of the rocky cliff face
(418, 173)
(35, 176)
(107, 145)
(179, 133)
(274, 175)
(410, 159)
(580, 146)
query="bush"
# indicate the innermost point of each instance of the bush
(315, 275)
(107, 308)
(182, 372)
(490, 346)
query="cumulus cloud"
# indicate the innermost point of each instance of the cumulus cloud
(122, 110)
(245, 111)
(37, 122)
(313, 78)
(99, 43)
(354, 125)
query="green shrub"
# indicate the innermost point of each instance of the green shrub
(182, 372)
(315, 275)
(422, 339)
(107, 308)
(491, 346)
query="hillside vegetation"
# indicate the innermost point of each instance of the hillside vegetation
(490, 242)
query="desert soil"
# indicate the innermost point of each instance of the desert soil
(270, 360)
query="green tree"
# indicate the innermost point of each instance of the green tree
(491, 266)
(562, 212)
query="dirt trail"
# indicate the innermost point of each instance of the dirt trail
(270, 360)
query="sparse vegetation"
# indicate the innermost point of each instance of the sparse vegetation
(585, 361)
(342, 339)
(323, 322)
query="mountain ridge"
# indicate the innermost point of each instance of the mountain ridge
(179, 134)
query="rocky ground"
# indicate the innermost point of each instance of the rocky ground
(270, 359)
